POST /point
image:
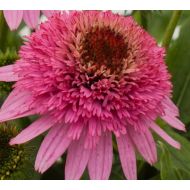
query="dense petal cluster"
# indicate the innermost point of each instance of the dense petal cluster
(88, 75)
(30, 17)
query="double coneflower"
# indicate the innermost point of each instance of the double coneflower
(90, 75)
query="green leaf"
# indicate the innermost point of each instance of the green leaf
(145, 18)
(173, 163)
(178, 60)
(167, 170)
(157, 22)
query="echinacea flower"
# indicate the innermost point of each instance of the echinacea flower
(30, 17)
(90, 75)
(15, 160)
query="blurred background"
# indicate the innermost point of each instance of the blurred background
(17, 162)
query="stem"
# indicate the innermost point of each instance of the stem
(171, 28)
(183, 90)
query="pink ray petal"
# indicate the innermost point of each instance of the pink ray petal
(7, 74)
(17, 96)
(53, 146)
(11, 116)
(164, 135)
(174, 122)
(170, 106)
(145, 144)
(77, 159)
(31, 18)
(49, 13)
(38, 127)
(13, 18)
(127, 156)
(17, 105)
(100, 161)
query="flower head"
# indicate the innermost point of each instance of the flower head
(88, 75)
(15, 160)
(30, 17)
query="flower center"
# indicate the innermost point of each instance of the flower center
(103, 51)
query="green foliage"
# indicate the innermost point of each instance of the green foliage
(157, 23)
(9, 57)
(173, 164)
(179, 65)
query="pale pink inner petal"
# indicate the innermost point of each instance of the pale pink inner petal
(13, 18)
(53, 146)
(31, 18)
(100, 161)
(127, 156)
(7, 74)
(77, 159)
(164, 135)
(38, 127)
(145, 144)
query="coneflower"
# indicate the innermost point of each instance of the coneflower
(90, 75)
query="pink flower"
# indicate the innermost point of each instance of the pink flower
(30, 17)
(90, 75)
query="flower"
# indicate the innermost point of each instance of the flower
(30, 17)
(15, 160)
(90, 75)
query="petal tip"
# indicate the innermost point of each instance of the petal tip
(12, 142)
